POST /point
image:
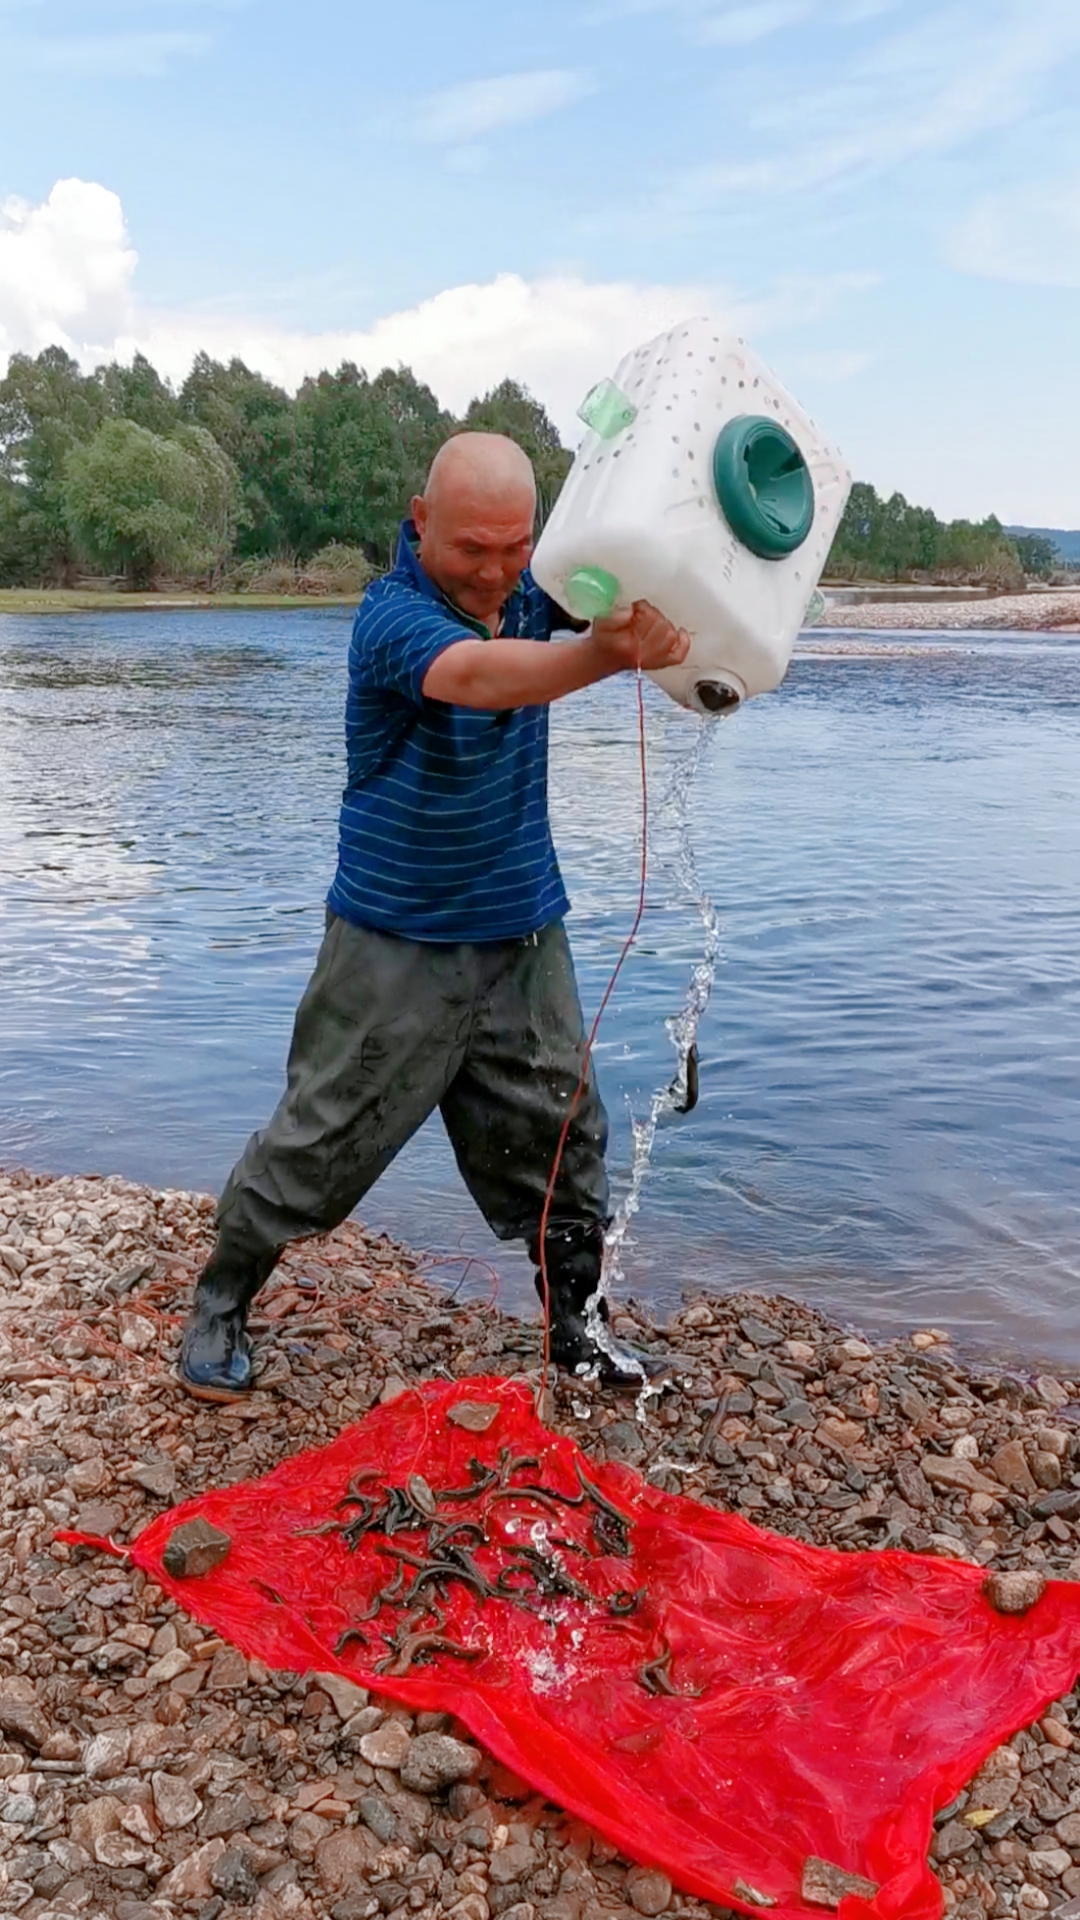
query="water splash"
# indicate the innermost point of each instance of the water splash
(671, 819)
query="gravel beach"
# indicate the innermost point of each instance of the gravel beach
(148, 1771)
(1013, 613)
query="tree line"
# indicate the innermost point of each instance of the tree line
(116, 472)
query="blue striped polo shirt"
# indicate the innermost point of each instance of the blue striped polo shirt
(444, 831)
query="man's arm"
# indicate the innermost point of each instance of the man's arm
(495, 674)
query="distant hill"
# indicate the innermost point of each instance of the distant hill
(1067, 544)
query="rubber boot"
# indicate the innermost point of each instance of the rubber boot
(215, 1355)
(575, 1251)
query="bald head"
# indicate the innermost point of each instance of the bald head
(479, 467)
(475, 521)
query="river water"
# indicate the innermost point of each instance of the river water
(889, 1122)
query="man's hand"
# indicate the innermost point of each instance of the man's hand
(640, 637)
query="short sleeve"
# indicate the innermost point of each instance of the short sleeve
(398, 641)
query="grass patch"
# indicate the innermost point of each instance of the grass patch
(80, 600)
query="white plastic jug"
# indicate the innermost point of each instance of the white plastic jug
(702, 487)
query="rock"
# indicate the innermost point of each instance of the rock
(1053, 1861)
(1014, 1592)
(229, 1813)
(107, 1754)
(1056, 1732)
(377, 1813)
(472, 1907)
(648, 1891)
(190, 1879)
(345, 1696)
(119, 1849)
(912, 1482)
(228, 1669)
(1051, 1392)
(18, 1810)
(175, 1802)
(950, 1472)
(386, 1746)
(1068, 1830)
(757, 1332)
(194, 1548)
(476, 1416)
(89, 1822)
(169, 1667)
(158, 1479)
(511, 1863)
(1009, 1465)
(825, 1885)
(436, 1760)
(20, 1713)
(232, 1877)
(343, 1858)
(954, 1838)
(1066, 1504)
(1046, 1470)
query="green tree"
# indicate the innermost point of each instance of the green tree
(369, 445)
(136, 500)
(255, 424)
(1038, 556)
(511, 409)
(46, 408)
(138, 393)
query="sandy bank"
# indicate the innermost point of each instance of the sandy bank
(1015, 613)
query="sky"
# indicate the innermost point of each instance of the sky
(882, 196)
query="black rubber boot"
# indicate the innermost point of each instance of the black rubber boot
(575, 1251)
(215, 1355)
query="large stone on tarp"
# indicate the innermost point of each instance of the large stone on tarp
(194, 1548)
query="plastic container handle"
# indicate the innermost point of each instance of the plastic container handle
(591, 593)
(607, 410)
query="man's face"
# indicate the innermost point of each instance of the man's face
(475, 548)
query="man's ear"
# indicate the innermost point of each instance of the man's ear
(418, 509)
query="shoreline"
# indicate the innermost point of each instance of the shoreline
(20, 600)
(1051, 612)
(781, 1414)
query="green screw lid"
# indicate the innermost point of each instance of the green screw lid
(764, 487)
(607, 410)
(591, 593)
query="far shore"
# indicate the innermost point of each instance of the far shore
(1043, 612)
(89, 600)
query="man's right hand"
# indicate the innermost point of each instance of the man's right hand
(639, 637)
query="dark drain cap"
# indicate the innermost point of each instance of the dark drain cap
(713, 696)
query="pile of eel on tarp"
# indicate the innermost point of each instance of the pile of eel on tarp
(772, 1724)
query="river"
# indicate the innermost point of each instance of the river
(889, 1122)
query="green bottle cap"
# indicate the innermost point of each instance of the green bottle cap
(591, 593)
(607, 410)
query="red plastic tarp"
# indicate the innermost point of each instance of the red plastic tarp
(825, 1703)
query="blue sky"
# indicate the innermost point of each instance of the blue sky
(883, 195)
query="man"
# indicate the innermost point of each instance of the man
(445, 978)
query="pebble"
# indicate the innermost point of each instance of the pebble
(194, 1548)
(387, 1746)
(235, 1777)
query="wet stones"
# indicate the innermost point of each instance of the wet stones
(825, 1885)
(475, 1416)
(194, 1548)
(1014, 1592)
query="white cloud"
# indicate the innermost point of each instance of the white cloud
(1030, 237)
(464, 113)
(105, 56)
(742, 26)
(946, 77)
(66, 270)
